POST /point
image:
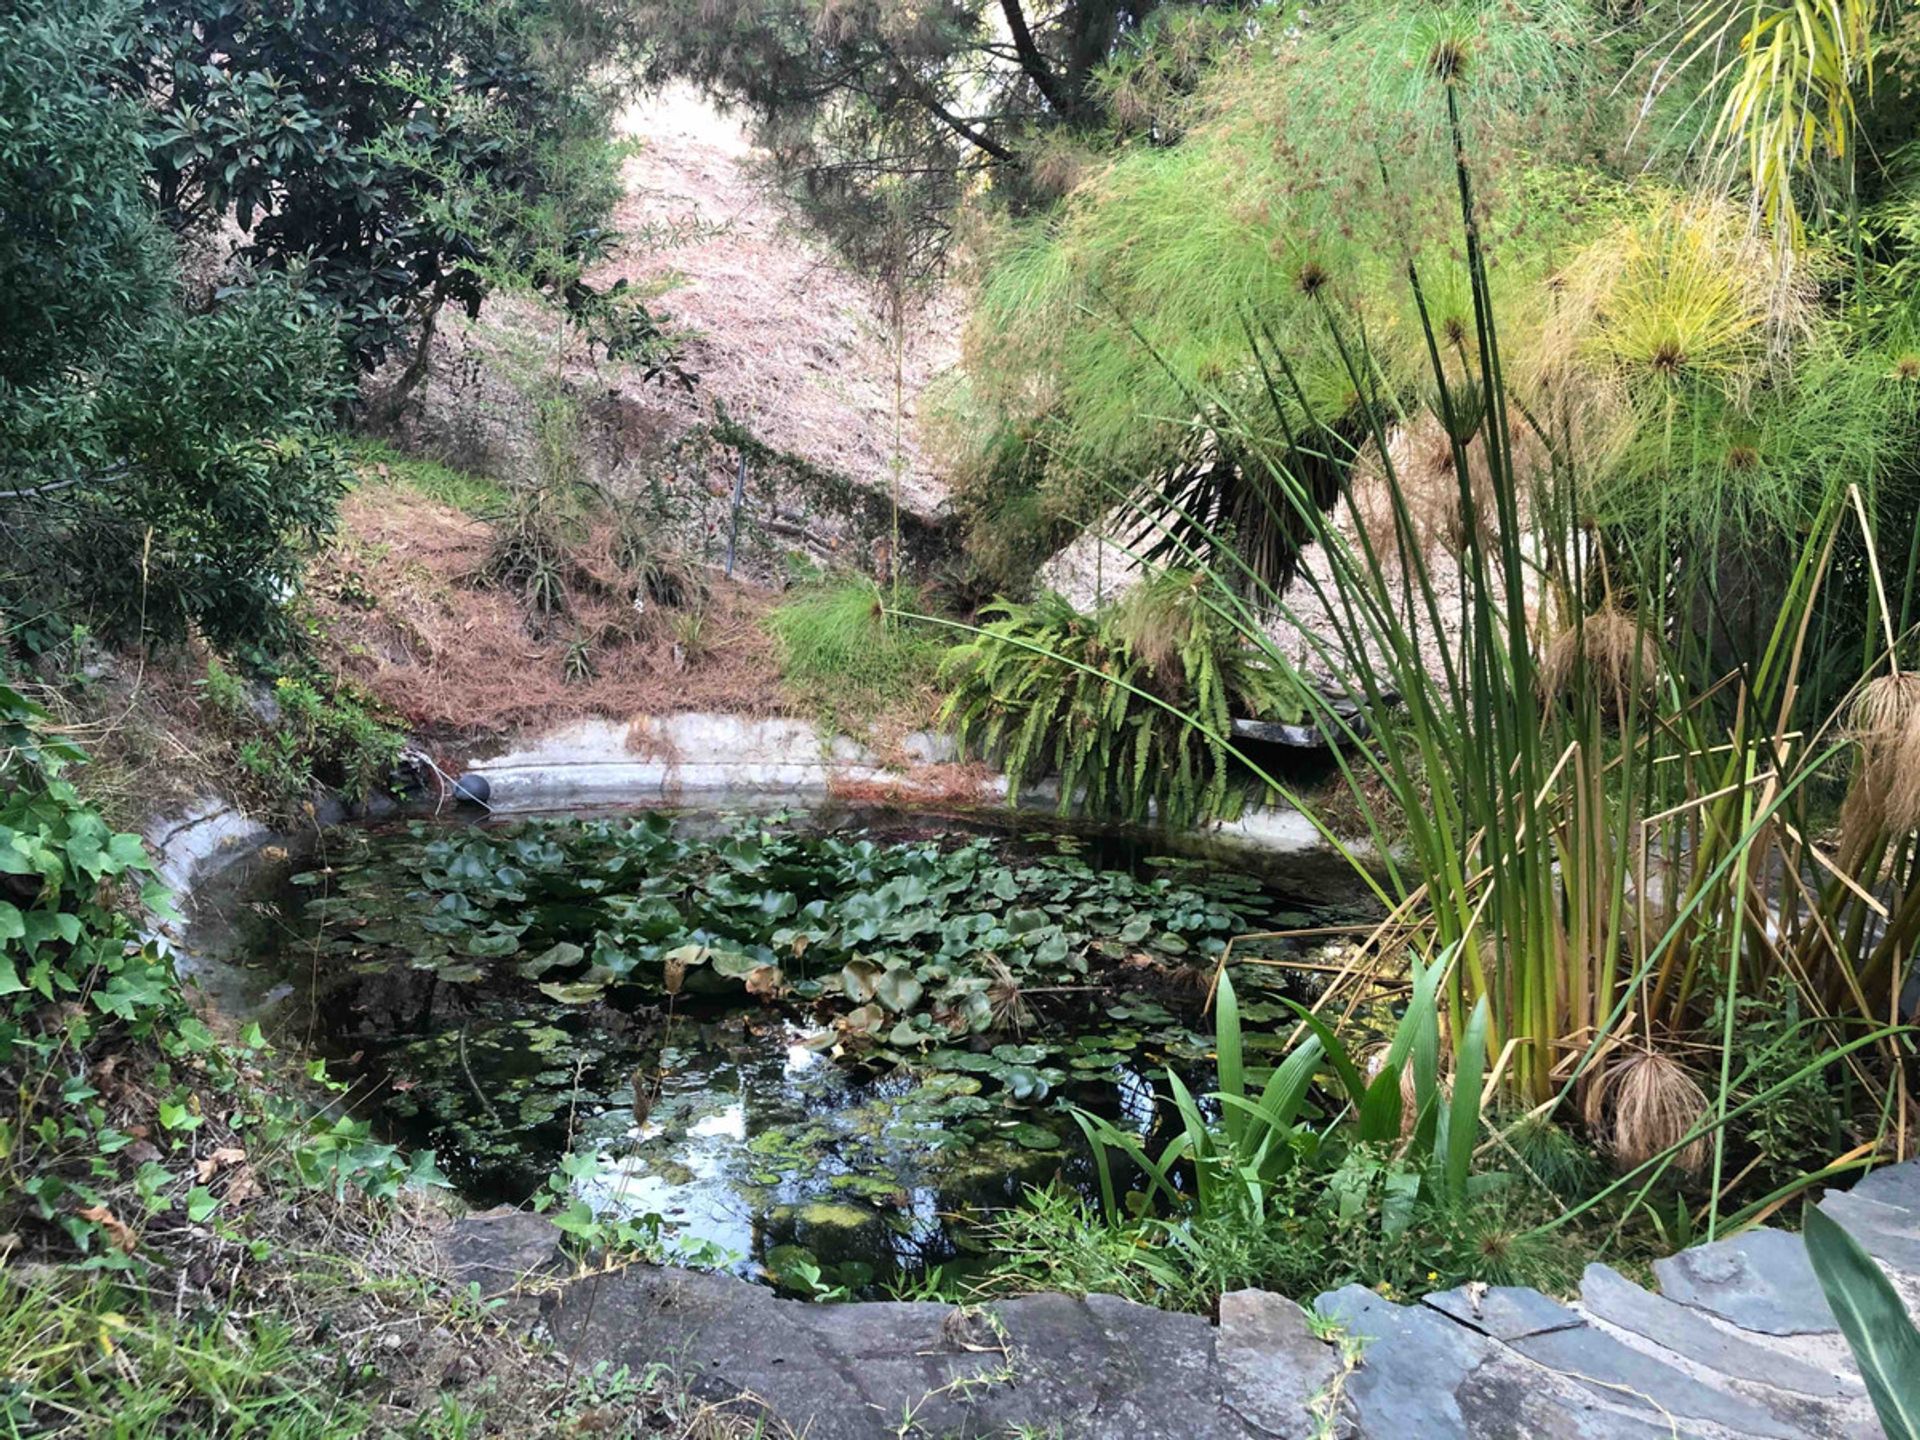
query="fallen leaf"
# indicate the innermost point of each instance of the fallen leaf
(123, 1238)
(241, 1185)
(226, 1155)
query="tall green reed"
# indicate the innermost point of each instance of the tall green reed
(1592, 835)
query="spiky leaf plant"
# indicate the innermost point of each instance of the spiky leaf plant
(1129, 709)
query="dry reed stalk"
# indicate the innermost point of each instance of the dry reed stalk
(1420, 465)
(1620, 654)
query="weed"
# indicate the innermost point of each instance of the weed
(576, 666)
(477, 495)
(302, 733)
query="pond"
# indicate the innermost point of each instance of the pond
(814, 1045)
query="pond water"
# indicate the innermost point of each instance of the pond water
(811, 1042)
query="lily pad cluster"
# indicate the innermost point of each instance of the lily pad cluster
(908, 949)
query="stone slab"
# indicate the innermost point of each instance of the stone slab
(496, 1248)
(1611, 1297)
(1890, 1234)
(1424, 1375)
(1760, 1280)
(1506, 1312)
(1099, 1368)
(1272, 1366)
(1633, 1377)
(1894, 1185)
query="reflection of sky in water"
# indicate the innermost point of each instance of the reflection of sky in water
(873, 1185)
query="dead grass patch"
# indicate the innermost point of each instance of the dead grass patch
(406, 613)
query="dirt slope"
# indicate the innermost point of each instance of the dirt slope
(783, 334)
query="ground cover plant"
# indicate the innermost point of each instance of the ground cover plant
(848, 652)
(145, 1146)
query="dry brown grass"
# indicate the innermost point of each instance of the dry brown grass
(1645, 1103)
(1885, 722)
(1619, 653)
(406, 614)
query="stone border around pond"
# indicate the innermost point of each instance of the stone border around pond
(700, 758)
(1738, 1342)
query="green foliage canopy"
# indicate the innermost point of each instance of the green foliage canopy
(160, 468)
(403, 155)
(1109, 350)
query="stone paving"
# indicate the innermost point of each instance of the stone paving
(1738, 1342)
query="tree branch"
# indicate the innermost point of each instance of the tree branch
(922, 92)
(1032, 61)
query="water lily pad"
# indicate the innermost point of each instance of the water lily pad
(458, 973)
(558, 955)
(1033, 1137)
(898, 990)
(834, 1215)
(1028, 1087)
(579, 992)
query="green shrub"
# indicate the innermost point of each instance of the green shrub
(1131, 708)
(1800, 1125)
(320, 733)
(1314, 1179)
(164, 470)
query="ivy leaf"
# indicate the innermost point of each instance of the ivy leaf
(174, 1116)
(159, 900)
(127, 852)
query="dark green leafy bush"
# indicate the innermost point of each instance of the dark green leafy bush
(448, 146)
(161, 470)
